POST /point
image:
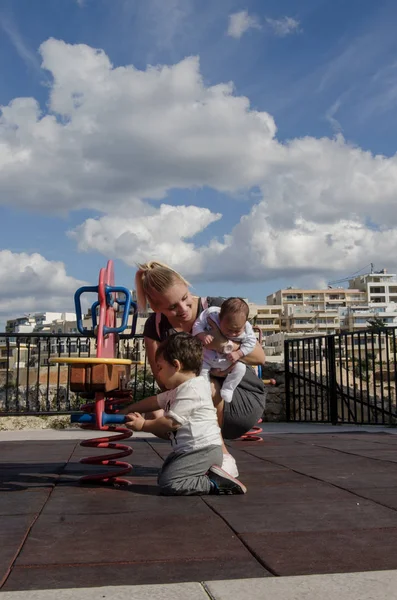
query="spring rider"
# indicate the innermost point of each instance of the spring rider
(104, 377)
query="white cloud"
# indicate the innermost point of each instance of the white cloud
(31, 283)
(115, 137)
(284, 26)
(116, 134)
(159, 233)
(240, 22)
(301, 249)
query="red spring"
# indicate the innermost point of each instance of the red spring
(252, 435)
(112, 477)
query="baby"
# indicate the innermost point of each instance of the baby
(231, 318)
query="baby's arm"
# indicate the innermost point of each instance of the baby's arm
(249, 341)
(247, 345)
(199, 329)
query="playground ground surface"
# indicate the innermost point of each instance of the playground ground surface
(320, 513)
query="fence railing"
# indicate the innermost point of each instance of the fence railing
(343, 378)
(31, 385)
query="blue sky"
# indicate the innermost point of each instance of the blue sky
(301, 205)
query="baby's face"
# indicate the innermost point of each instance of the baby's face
(232, 325)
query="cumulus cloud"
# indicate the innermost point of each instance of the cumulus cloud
(117, 133)
(115, 137)
(283, 26)
(161, 233)
(240, 22)
(30, 283)
(303, 248)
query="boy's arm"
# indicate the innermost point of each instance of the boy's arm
(160, 427)
(142, 406)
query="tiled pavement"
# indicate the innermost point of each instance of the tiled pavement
(316, 503)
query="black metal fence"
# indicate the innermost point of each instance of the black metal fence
(31, 385)
(343, 378)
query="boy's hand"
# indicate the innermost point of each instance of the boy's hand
(234, 356)
(205, 338)
(134, 421)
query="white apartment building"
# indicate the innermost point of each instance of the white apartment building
(37, 321)
(305, 320)
(312, 311)
(266, 318)
(317, 300)
(380, 287)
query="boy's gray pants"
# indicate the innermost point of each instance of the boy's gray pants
(184, 474)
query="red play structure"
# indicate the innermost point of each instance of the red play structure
(104, 376)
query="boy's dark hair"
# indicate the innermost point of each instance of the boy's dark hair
(233, 306)
(183, 347)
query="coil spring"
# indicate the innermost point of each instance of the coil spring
(112, 477)
(253, 434)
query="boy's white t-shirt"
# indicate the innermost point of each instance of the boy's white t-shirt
(190, 404)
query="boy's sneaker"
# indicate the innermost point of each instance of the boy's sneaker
(229, 465)
(223, 483)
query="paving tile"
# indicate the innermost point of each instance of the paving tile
(287, 496)
(353, 513)
(75, 470)
(13, 531)
(363, 479)
(305, 553)
(24, 502)
(29, 475)
(66, 539)
(81, 499)
(388, 455)
(384, 496)
(130, 573)
(38, 451)
(284, 477)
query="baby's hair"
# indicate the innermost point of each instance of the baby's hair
(183, 347)
(154, 276)
(234, 306)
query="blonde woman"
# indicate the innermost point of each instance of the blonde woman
(176, 309)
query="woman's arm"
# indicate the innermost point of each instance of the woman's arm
(256, 357)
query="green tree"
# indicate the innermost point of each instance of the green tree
(376, 323)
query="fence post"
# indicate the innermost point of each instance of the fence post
(333, 392)
(287, 382)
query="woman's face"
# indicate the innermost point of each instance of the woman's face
(176, 302)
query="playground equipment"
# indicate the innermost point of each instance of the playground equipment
(253, 434)
(104, 376)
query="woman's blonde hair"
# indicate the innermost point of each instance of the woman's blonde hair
(154, 276)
